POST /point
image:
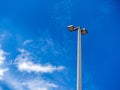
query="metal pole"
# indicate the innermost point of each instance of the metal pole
(79, 63)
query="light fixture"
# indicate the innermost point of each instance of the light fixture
(84, 31)
(73, 28)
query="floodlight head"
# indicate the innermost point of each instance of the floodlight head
(71, 28)
(84, 31)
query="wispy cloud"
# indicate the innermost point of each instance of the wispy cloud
(2, 59)
(26, 42)
(37, 84)
(2, 71)
(2, 56)
(24, 63)
(31, 67)
(28, 83)
(12, 81)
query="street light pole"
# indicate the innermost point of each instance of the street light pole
(79, 61)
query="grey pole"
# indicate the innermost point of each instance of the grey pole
(79, 62)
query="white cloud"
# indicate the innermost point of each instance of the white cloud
(2, 60)
(12, 81)
(2, 56)
(24, 63)
(26, 42)
(37, 84)
(2, 71)
(31, 67)
(28, 83)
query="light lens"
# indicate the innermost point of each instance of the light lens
(71, 27)
(84, 31)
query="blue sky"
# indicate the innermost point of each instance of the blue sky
(37, 52)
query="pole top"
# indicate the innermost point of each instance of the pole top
(73, 28)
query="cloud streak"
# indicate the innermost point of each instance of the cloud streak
(24, 63)
(2, 72)
(26, 42)
(2, 56)
(2, 59)
(37, 84)
(31, 67)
